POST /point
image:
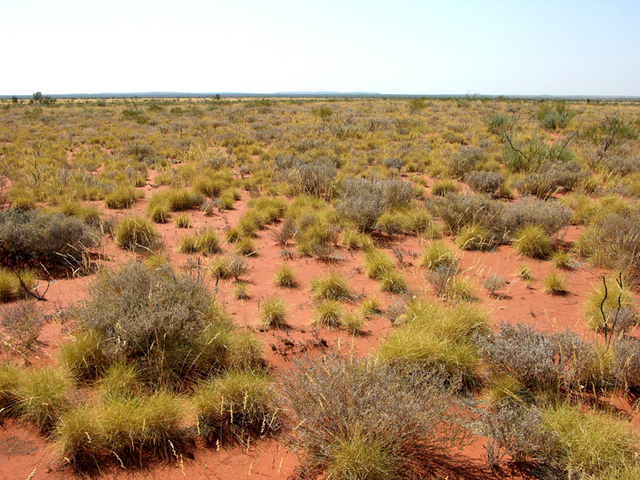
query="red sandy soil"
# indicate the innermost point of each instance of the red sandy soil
(25, 454)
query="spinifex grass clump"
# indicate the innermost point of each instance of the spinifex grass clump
(238, 406)
(273, 314)
(332, 286)
(439, 337)
(167, 323)
(365, 419)
(137, 234)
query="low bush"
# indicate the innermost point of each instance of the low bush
(137, 234)
(485, 182)
(364, 419)
(551, 216)
(23, 323)
(38, 237)
(459, 211)
(165, 322)
(238, 406)
(492, 283)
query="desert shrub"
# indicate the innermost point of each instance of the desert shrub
(38, 237)
(315, 178)
(165, 322)
(492, 283)
(182, 221)
(23, 323)
(122, 197)
(328, 314)
(534, 155)
(273, 313)
(286, 277)
(555, 116)
(285, 233)
(363, 419)
(137, 234)
(363, 201)
(438, 337)
(484, 182)
(332, 286)
(533, 241)
(474, 237)
(441, 188)
(547, 363)
(43, 395)
(627, 366)
(458, 211)
(549, 215)
(440, 277)
(610, 306)
(555, 178)
(438, 254)
(612, 240)
(238, 406)
(464, 161)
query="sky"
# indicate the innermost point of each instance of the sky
(413, 47)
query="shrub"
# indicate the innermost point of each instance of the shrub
(363, 202)
(166, 322)
(485, 182)
(332, 286)
(273, 313)
(549, 215)
(137, 234)
(532, 241)
(286, 277)
(458, 211)
(23, 322)
(464, 161)
(492, 283)
(314, 178)
(240, 406)
(328, 314)
(557, 177)
(35, 237)
(363, 419)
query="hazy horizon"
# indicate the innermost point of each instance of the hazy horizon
(457, 47)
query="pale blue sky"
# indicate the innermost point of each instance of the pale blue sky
(492, 47)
